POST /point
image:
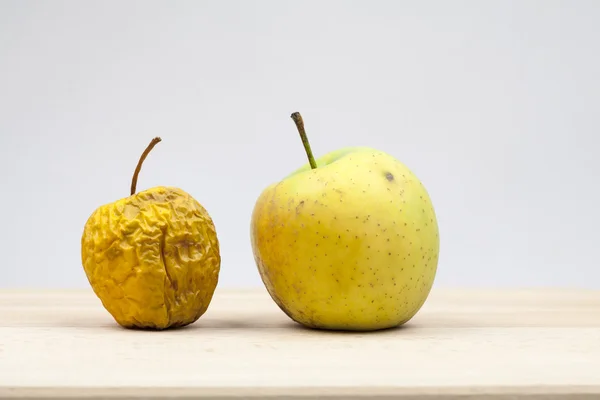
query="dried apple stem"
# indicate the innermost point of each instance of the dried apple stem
(141, 161)
(300, 125)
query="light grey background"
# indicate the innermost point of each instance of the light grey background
(495, 105)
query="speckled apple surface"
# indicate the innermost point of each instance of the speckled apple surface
(350, 245)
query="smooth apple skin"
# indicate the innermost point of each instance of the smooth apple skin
(350, 245)
(152, 258)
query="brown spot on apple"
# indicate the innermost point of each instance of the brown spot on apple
(299, 207)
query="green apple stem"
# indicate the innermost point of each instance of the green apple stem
(300, 125)
(141, 161)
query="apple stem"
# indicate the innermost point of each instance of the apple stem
(141, 161)
(300, 125)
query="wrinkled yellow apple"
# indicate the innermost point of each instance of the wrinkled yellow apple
(347, 242)
(152, 258)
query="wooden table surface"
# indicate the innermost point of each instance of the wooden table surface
(463, 344)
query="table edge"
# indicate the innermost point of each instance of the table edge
(532, 392)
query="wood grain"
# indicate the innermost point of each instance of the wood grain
(463, 344)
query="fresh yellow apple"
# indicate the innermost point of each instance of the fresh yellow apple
(152, 258)
(349, 241)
